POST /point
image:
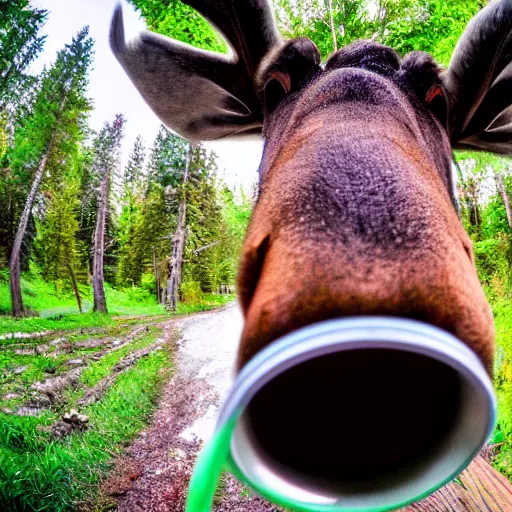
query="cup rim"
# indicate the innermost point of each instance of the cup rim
(344, 334)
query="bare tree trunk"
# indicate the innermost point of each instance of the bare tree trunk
(74, 285)
(157, 278)
(178, 244)
(505, 197)
(100, 302)
(14, 263)
(333, 29)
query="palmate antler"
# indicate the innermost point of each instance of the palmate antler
(203, 95)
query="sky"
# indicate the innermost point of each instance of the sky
(112, 91)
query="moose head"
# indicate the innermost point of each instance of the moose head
(356, 212)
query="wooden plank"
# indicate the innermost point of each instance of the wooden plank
(481, 489)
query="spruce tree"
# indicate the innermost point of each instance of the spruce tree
(50, 132)
(107, 148)
(20, 43)
(129, 270)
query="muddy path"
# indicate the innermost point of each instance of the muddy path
(153, 474)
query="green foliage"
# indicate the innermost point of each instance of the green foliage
(179, 21)
(37, 474)
(20, 44)
(503, 384)
(191, 292)
(492, 257)
(433, 26)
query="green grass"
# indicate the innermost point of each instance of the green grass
(100, 369)
(37, 474)
(36, 324)
(209, 301)
(43, 299)
(503, 385)
(58, 311)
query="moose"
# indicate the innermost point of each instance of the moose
(356, 214)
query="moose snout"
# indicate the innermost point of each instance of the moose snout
(343, 243)
(342, 252)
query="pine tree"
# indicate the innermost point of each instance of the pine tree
(57, 122)
(20, 44)
(129, 270)
(106, 159)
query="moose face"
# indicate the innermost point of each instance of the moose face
(355, 214)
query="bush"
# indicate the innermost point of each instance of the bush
(191, 292)
(136, 294)
(147, 282)
(492, 259)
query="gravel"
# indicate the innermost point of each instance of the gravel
(155, 472)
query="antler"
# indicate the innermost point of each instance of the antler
(249, 26)
(203, 95)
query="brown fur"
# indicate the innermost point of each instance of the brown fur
(355, 215)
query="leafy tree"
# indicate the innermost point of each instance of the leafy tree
(57, 238)
(51, 133)
(331, 24)
(432, 26)
(179, 21)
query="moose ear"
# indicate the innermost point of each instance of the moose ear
(478, 82)
(199, 94)
(286, 70)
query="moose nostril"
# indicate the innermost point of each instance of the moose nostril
(250, 272)
(469, 252)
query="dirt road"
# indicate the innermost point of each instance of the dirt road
(154, 474)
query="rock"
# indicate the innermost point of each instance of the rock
(115, 343)
(28, 411)
(75, 362)
(19, 370)
(57, 341)
(39, 401)
(42, 349)
(24, 351)
(61, 429)
(75, 417)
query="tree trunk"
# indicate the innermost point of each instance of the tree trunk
(14, 263)
(178, 244)
(505, 197)
(74, 285)
(333, 29)
(481, 488)
(157, 278)
(100, 302)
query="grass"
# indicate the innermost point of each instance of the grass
(209, 301)
(100, 369)
(41, 474)
(503, 384)
(38, 474)
(58, 311)
(36, 324)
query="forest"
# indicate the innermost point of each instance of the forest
(91, 250)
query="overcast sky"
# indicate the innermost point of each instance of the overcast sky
(112, 91)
